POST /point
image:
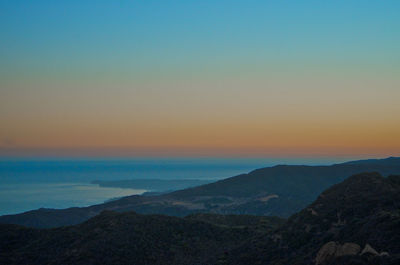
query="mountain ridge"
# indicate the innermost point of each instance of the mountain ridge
(363, 211)
(354, 222)
(279, 190)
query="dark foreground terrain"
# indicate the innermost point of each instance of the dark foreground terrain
(273, 191)
(354, 222)
(130, 238)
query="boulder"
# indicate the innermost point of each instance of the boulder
(326, 252)
(348, 249)
(369, 250)
(332, 250)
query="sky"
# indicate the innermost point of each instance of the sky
(199, 78)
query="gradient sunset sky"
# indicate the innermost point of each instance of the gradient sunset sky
(200, 78)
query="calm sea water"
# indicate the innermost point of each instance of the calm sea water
(16, 198)
(61, 183)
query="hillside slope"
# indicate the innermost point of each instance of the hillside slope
(354, 222)
(273, 191)
(130, 238)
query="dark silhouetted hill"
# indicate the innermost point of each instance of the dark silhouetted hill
(130, 238)
(354, 222)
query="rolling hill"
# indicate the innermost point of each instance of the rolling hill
(354, 222)
(273, 191)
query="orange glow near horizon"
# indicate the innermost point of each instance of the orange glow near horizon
(290, 118)
(276, 80)
(242, 139)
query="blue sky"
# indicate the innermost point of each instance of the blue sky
(154, 74)
(180, 33)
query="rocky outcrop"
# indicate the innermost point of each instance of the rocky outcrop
(362, 209)
(333, 250)
(369, 250)
(326, 253)
(348, 249)
(384, 254)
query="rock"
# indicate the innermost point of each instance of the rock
(276, 237)
(348, 249)
(326, 252)
(384, 253)
(369, 250)
(332, 250)
(313, 212)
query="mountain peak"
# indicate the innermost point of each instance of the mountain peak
(363, 210)
(358, 196)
